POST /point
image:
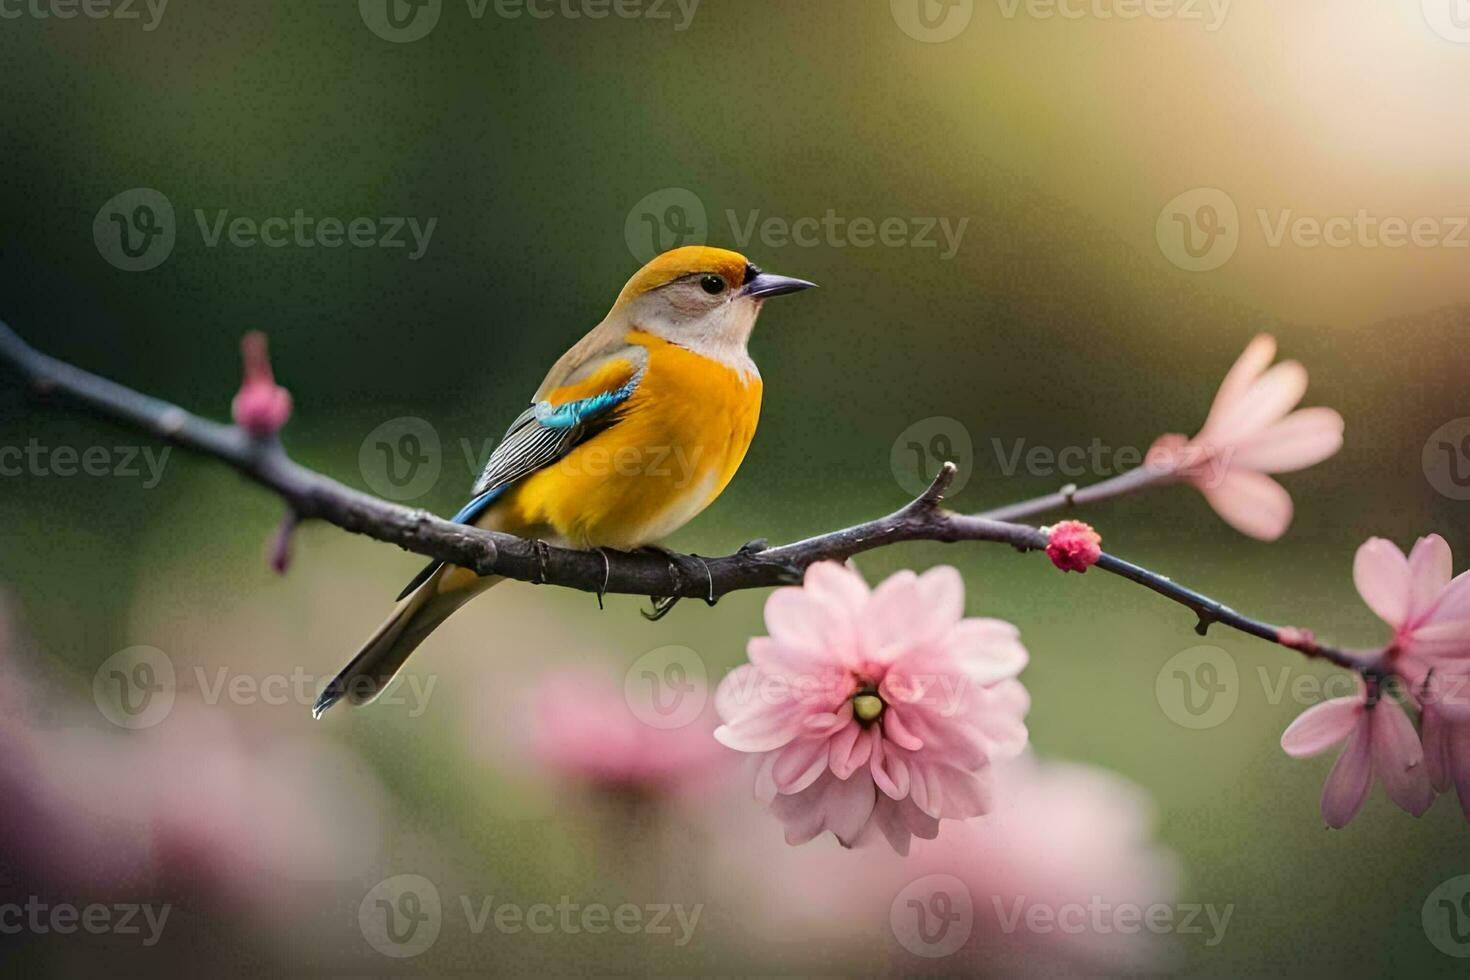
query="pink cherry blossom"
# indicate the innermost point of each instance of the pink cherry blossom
(1252, 431)
(583, 729)
(1415, 595)
(1380, 739)
(261, 407)
(195, 808)
(1429, 613)
(875, 711)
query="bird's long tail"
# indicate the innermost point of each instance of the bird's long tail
(416, 616)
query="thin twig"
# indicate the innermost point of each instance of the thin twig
(312, 496)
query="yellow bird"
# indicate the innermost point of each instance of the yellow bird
(634, 431)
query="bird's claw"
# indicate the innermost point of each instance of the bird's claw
(661, 606)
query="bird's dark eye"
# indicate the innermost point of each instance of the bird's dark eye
(712, 284)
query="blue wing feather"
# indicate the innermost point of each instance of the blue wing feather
(539, 436)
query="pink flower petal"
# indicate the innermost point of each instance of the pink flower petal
(887, 625)
(1251, 502)
(1304, 438)
(808, 667)
(1430, 569)
(1459, 759)
(799, 764)
(987, 650)
(898, 733)
(1399, 759)
(1448, 641)
(765, 783)
(1454, 603)
(941, 591)
(1436, 748)
(1269, 399)
(1256, 357)
(1348, 782)
(840, 752)
(889, 771)
(841, 806)
(966, 794)
(1321, 726)
(794, 620)
(840, 587)
(1381, 573)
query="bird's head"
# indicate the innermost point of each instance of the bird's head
(700, 297)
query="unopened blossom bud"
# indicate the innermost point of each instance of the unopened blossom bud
(261, 407)
(1074, 546)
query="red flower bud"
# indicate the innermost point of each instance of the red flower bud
(1074, 546)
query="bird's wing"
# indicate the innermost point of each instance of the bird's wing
(581, 396)
(555, 424)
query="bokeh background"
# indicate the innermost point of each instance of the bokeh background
(542, 148)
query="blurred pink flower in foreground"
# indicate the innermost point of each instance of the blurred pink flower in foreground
(1430, 616)
(1252, 431)
(1068, 844)
(878, 709)
(584, 729)
(191, 807)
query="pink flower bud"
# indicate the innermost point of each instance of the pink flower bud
(261, 407)
(1074, 546)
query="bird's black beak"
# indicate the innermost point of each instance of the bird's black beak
(764, 284)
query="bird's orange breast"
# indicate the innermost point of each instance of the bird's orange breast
(677, 443)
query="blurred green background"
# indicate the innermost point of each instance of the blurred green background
(1058, 320)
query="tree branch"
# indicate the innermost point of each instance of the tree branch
(310, 495)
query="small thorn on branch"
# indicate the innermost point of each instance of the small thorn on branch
(931, 497)
(280, 548)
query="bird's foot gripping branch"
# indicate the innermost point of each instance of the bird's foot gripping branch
(854, 692)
